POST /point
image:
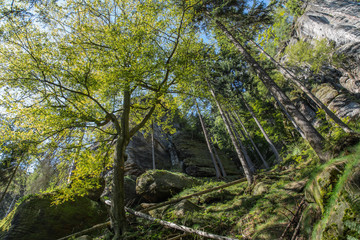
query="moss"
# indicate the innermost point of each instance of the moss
(331, 233)
(37, 218)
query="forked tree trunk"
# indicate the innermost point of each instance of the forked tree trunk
(291, 76)
(272, 146)
(315, 140)
(252, 141)
(217, 171)
(247, 171)
(241, 144)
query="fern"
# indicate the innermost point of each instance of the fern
(355, 226)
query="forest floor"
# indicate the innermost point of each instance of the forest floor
(269, 209)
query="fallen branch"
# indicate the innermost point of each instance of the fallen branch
(297, 229)
(293, 218)
(179, 227)
(193, 195)
(178, 236)
(93, 228)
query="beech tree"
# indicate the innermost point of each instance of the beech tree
(103, 67)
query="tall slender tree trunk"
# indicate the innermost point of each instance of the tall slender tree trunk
(314, 138)
(252, 141)
(297, 128)
(241, 144)
(11, 206)
(291, 76)
(272, 146)
(247, 171)
(153, 145)
(217, 171)
(231, 115)
(118, 218)
(223, 173)
(11, 178)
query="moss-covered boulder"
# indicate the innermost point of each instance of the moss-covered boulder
(184, 207)
(261, 188)
(159, 185)
(341, 219)
(320, 188)
(36, 218)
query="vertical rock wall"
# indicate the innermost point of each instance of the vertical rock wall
(339, 22)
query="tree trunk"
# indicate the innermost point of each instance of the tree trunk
(291, 76)
(217, 158)
(247, 171)
(290, 118)
(11, 206)
(118, 218)
(252, 141)
(242, 146)
(11, 178)
(315, 140)
(218, 174)
(153, 145)
(273, 148)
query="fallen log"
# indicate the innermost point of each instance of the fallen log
(193, 195)
(178, 227)
(83, 232)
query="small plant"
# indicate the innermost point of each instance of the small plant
(315, 55)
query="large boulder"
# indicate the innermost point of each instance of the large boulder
(131, 198)
(36, 218)
(159, 185)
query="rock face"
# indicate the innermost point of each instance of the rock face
(139, 153)
(159, 185)
(197, 161)
(339, 22)
(177, 152)
(340, 103)
(37, 219)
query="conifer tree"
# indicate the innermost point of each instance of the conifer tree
(239, 14)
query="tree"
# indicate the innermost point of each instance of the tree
(207, 139)
(219, 13)
(251, 140)
(273, 148)
(240, 154)
(103, 67)
(291, 77)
